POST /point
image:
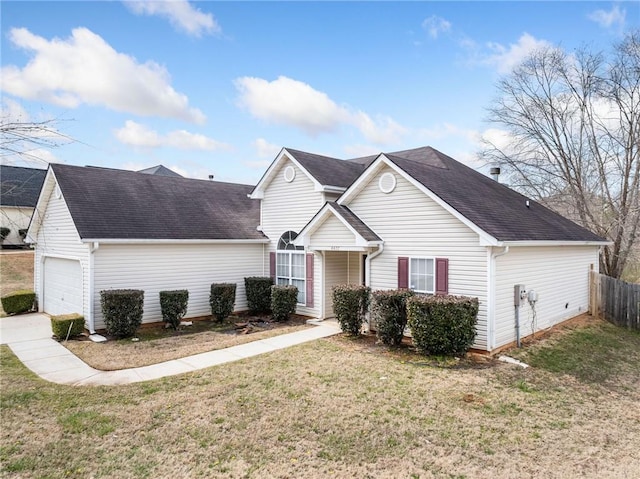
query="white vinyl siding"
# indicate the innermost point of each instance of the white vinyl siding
(560, 276)
(154, 268)
(289, 207)
(332, 232)
(411, 224)
(57, 237)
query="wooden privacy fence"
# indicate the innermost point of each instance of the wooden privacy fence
(615, 300)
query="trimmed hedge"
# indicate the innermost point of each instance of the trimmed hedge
(350, 305)
(222, 300)
(389, 314)
(173, 305)
(442, 324)
(20, 301)
(67, 325)
(258, 289)
(4, 232)
(122, 311)
(283, 301)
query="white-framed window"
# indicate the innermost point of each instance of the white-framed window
(290, 264)
(422, 275)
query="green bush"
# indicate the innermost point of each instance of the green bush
(350, 305)
(389, 314)
(173, 305)
(122, 311)
(67, 325)
(283, 301)
(222, 300)
(18, 302)
(258, 291)
(4, 232)
(23, 233)
(442, 324)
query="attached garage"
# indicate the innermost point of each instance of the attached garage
(62, 286)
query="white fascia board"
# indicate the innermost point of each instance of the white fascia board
(360, 248)
(48, 185)
(284, 155)
(555, 243)
(485, 239)
(333, 189)
(173, 241)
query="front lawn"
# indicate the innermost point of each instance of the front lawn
(338, 408)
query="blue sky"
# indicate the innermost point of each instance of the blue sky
(219, 87)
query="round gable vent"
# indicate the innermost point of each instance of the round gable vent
(289, 174)
(387, 182)
(57, 192)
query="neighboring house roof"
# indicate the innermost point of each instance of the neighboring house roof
(117, 204)
(20, 186)
(493, 207)
(160, 170)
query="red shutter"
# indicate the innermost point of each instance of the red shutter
(442, 276)
(272, 266)
(403, 272)
(309, 282)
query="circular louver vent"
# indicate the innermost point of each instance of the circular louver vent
(289, 174)
(387, 183)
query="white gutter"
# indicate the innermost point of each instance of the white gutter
(172, 241)
(93, 247)
(553, 243)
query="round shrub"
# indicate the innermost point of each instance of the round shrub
(442, 324)
(389, 315)
(258, 290)
(173, 305)
(350, 305)
(4, 232)
(283, 301)
(122, 311)
(222, 300)
(20, 301)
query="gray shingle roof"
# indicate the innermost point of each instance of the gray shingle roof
(355, 222)
(118, 204)
(326, 170)
(160, 170)
(20, 186)
(492, 206)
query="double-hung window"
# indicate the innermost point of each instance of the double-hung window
(290, 264)
(422, 275)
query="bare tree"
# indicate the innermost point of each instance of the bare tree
(24, 140)
(572, 124)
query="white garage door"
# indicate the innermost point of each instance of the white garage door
(62, 286)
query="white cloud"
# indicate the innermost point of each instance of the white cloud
(614, 17)
(14, 112)
(436, 25)
(136, 134)
(181, 14)
(84, 69)
(291, 102)
(504, 59)
(264, 149)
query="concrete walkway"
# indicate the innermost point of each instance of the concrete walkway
(29, 337)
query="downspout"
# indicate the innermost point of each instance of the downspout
(367, 262)
(93, 247)
(492, 297)
(322, 288)
(367, 278)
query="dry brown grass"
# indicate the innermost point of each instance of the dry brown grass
(16, 272)
(333, 408)
(124, 353)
